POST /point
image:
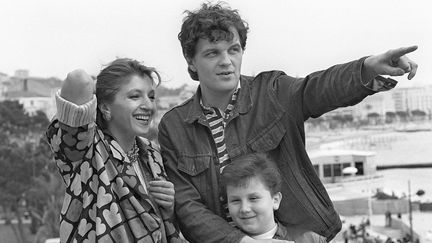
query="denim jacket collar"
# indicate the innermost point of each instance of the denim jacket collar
(243, 105)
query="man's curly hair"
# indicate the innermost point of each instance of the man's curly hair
(211, 22)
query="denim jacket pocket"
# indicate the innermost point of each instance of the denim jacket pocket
(194, 165)
(197, 170)
(269, 139)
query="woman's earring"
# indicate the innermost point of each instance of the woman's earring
(107, 116)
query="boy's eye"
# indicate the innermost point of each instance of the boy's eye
(234, 200)
(134, 96)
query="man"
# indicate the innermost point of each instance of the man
(231, 115)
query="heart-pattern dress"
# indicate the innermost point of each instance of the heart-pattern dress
(104, 199)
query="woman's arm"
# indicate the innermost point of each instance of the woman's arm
(71, 133)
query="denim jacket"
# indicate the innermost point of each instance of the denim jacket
(268, 117)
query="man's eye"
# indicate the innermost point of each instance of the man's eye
(235, 49)
(211, 54)
(134, 96)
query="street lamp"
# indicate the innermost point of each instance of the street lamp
(418, 193)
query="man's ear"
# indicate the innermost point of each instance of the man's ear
(191, 66)
(277, 198)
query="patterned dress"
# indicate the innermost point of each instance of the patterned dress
(104, 199)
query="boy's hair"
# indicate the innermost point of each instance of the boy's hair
(211, 22)
(241, 169)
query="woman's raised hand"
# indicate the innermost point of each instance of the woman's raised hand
(78, 87)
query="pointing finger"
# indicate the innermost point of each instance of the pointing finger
(397, 53)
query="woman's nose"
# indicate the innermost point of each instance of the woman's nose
(147, 104)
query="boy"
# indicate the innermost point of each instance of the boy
(232, 115)
(253, 185)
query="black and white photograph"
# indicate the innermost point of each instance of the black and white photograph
(215, 121)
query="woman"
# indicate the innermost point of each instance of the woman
(116, 187)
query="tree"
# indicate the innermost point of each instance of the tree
(380, 195)
(418, 114)
(348, 118)
(390, 116)
(403, 115)
(373, 117)
(22, 157)
(316, 121)
(15, 179)
(45, 198)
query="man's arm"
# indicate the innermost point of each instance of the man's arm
(343, 84)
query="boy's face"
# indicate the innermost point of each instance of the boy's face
(251, 206)
(218, 65)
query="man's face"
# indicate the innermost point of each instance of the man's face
(218, 65)
(252, 206)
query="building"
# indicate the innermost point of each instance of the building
(405, 99)
(32, 92)
(33, 102)
(414, 98)
(331, 165)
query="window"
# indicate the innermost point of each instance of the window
(327, 170)
(337, 169)
(359, 166)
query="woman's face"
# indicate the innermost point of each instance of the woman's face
(133, 108)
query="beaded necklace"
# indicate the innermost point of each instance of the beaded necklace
(133, 154)
(134, 158)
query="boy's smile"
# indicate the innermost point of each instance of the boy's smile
(252, 206)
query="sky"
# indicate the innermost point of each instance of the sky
(53, 37)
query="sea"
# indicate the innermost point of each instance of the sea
(392, 148)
